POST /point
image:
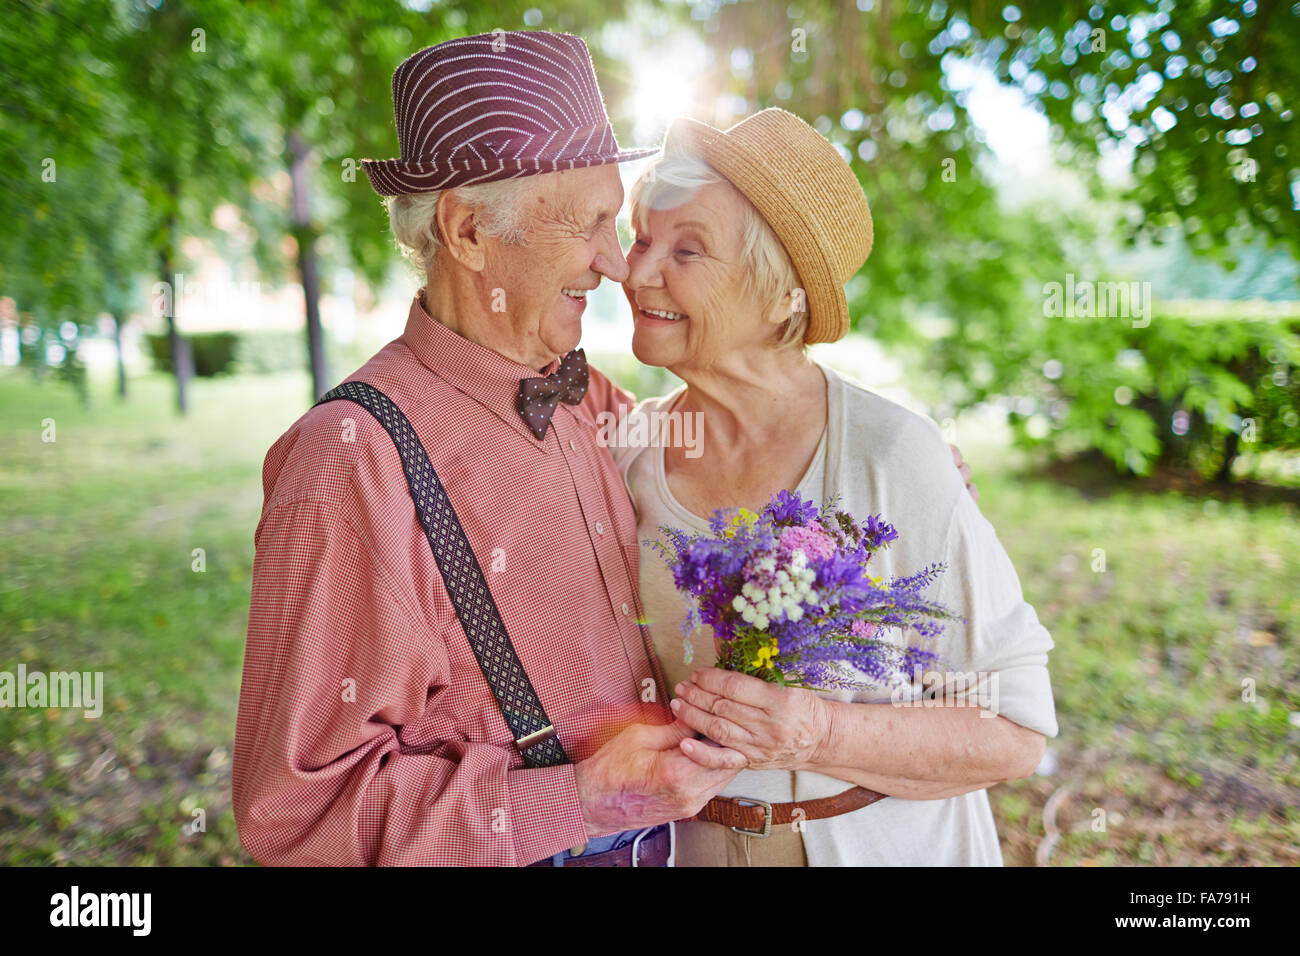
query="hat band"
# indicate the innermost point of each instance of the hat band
(500, 144)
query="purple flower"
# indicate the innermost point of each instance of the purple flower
(822, 642)
(790, 509)
(877, 533)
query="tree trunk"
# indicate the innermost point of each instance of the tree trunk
(1230, 449)
(121, 362)
(182, 359)
(305, 234)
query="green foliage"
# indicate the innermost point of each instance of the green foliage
(1188, 391)
(1203, 93)
(214, 352)
(263, 352)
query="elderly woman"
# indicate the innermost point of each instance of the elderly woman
(743, 242)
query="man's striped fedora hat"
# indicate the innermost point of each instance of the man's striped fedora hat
(496, 106)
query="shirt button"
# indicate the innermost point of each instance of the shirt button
(600, 528)
(572, 446)
(626, 610)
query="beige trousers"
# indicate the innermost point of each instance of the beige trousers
(712, 844)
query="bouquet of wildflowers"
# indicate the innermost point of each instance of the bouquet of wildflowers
(788, 595)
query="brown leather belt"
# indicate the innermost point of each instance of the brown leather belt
(756, 817)
(650, 850)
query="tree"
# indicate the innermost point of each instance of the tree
(186, 131)
(1203, 94)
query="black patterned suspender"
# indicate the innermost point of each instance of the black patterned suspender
(534, 736)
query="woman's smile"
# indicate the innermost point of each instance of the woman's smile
(653, 316)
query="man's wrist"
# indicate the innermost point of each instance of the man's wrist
(546, 814)
(589, 800)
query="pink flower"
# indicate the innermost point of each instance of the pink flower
(815, 543)
(863, 628)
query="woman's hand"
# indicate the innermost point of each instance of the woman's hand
(776, 728)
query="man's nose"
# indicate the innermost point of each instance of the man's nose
(610, 261)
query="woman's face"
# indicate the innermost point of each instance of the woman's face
(686, 262)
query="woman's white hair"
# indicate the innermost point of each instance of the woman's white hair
(672, 178)
(498, 209)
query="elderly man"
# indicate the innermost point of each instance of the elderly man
(451, 671)
(445, 663)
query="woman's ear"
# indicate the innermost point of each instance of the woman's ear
(794, 301)
(459, 231)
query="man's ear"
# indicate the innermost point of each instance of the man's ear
(459, 231)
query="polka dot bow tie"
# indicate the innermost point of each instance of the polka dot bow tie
(537, 396)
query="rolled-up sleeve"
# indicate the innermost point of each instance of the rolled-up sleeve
(337, 663)
(1001, 641)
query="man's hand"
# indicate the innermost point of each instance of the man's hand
(649, 775)
(964, 469)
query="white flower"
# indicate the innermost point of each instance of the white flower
(761, 622)
(739, 603)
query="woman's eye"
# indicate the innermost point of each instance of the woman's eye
(686, 252)
(640, 243)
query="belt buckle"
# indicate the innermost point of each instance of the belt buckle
(767, 817)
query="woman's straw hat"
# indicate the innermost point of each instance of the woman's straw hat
(806, 192)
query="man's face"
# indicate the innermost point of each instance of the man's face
(571, 242)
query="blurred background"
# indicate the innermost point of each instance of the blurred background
(1085, 271)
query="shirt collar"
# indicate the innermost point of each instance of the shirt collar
(488, 377)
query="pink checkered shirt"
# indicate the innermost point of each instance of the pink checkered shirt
(366, 732)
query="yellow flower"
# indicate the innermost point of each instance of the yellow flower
(742, 517)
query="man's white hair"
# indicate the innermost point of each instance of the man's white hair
(498, 211)
(672, 178)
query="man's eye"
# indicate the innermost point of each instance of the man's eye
(640, 242)
(686, 252)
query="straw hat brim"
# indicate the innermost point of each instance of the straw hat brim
(744, 156)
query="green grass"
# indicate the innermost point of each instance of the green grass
(100, 526)
(1169, 613)
(96, 574)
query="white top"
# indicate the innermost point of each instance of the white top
(880, 458)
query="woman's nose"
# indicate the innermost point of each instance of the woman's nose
(643, 271)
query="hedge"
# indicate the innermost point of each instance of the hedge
(1188, 389)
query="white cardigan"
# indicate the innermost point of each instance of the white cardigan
(882, 458)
